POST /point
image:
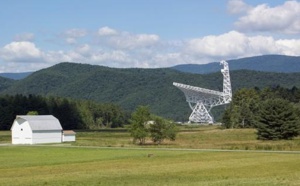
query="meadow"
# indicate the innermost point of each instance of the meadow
(110, 158)
(191, 137)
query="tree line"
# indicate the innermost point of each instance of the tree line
(273, 111)
(72, 114)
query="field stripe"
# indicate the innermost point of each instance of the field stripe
(158, 149)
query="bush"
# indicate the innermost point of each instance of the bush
(162, 129)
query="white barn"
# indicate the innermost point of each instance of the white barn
(34, 129)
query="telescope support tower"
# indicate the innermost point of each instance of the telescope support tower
(201, 100)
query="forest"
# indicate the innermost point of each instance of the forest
(84, 114)
(273, 111)
(72, 114)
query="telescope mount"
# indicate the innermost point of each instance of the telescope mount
(202, 100)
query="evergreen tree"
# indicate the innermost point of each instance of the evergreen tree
(277, 120)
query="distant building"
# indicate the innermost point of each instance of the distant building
(68, 135)
(35, 129)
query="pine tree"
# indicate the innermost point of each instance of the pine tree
(277, 120)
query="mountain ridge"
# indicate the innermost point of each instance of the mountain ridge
(130, 88)
(265, 63)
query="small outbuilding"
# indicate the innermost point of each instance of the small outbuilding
(35, 129)
(68, 135)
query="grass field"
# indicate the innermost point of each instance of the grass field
(50, 165)
(204, 137)
(110, 158)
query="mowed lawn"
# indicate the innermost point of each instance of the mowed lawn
(52, 165)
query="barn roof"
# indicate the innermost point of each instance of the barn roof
(69, 132)
(41, 122)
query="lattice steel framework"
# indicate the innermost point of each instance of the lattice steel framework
(202, 100)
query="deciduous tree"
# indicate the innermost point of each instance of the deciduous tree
(162, 129)
(138, 124)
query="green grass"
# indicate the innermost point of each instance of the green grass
(34, 165)
(204, 137)
(194, 137)
(110, 158)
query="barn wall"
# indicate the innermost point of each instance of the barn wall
(21, 132)
(69, 137)
(47, 136)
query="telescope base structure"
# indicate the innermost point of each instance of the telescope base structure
(201, 100)
(200, 114)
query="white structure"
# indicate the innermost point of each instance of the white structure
(34, 129)
(68, 135)
(201, 100)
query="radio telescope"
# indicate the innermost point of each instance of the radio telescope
(202, 100)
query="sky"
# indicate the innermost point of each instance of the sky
(37, 34)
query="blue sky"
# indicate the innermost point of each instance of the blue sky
(37, 34)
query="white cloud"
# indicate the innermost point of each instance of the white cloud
(83, 49)
(23, 51)
(237, 6)
(106, 31)
(71, 36)
(289, 47)
(283, 18)
(124, 40)
(145, 50)
(236, 45)
(229, 44)
(24, 37)
(53, 57)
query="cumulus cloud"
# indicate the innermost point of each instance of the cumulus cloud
(229, 44)
(22, 51)
(236, 45)
(106, 31)
(237, 7)
(284, 18)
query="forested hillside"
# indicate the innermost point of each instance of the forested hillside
(265, 63)
(5, 83)
(132, 87)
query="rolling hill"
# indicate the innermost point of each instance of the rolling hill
(132, 87)
(265, 63)
(5, 83)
